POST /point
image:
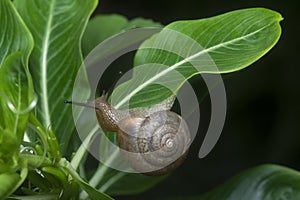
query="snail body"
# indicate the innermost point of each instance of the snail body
(153, 144)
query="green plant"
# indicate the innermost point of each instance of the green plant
(40, 56)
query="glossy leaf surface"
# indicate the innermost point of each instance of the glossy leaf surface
(221, 44)
(57, 27)
(266, 182)
(16, 90)
(183, 49)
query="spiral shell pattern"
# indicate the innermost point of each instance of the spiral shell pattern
(155, 144)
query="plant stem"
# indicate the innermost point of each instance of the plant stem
(102, 169)
(92, 192)
(66, 165)
(99, 174)
(48, 136)
(36, 161)
(111, 181)
(83, 148)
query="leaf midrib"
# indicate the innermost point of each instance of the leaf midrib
(210, 49)
(19, 105)
(45, 48)
(186, 60)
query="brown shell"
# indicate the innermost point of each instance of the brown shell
(154, 145)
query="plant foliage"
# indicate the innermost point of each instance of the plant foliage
(40, 55)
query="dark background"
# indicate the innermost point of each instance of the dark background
(263, 123)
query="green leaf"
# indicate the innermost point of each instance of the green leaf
(57, 27)
(14, 35)
(227, 42)
(36, 197)
(9, 151)
(39, 180)
(120, 183)
(266, 182)
(183, 49)
(141, 22)
(102, 27)
(99, 28)
(15, 78)
(93, 193)
(16, 101)
(10, 181)
(16, 95)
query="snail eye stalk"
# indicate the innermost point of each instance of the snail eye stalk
(88, 105)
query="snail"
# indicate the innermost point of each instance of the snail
(153, 143)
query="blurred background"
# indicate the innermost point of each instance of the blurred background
(263, 120)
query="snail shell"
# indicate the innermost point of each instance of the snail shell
(154, 144)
